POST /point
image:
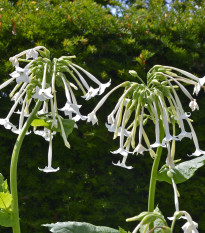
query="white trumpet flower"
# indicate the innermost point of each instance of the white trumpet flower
(31, 53)
(193, 105)
(44, 110)
(122, 164)
(92, 116)
(49, 168)
(197, 152)
(121, 150)
(14, 129)
(43, 93)
(102, 86)
(168, 136)
(70, 107)
(157, 143)
(183, 133)
(5, 122)
(199, 81)
(14, 61)
(140, 148)
(112, 128)
(45, 133)
(190, 226)
(21, 75)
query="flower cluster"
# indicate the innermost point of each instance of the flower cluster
(156, 101)
(37, 81)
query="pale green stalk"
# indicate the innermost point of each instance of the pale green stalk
(13, 169)
(153, 179)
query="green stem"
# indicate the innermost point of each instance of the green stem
(153, 179)
(172, 226)
(13, 169)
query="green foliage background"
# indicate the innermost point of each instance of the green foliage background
(88, 187)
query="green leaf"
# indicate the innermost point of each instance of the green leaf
(45, 121)
(3, 185)
(123, 231)
(1, 182)
(68, 126)
(78, 227)
(5, 200)
(160, 221)
(39, 122)
(182, 171)
(5, 219)
(139, 217)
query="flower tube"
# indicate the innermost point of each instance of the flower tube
(92, 116)
(197, 152)
(183, 132)
(140, 148)
(49, 168)
(168, 136)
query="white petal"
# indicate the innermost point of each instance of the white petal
(184, 134)
(18, 131)
(197, 152)
(112, 128)
(121, 164)
(120, 151)
(31, 53)
(139, 149)
(193, 105)
(14, 61)
(49, 169)
(5, 122)
(104, 86)
(92, 118)
(91, 93)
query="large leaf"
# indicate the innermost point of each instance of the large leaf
(182, 171)
(78, 227)
(5, 219)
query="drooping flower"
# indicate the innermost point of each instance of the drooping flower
(193, 105)
(190, 226)
(21, 75)
(49, 168)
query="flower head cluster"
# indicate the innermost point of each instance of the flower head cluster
(38, 80)
(156, 101)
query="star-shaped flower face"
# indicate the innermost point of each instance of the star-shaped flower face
(21, 75)
(43, 94)
(31, 53)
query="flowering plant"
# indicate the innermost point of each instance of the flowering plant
(156, 101)
(36, 85)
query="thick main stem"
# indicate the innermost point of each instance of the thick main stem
(13, 169)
